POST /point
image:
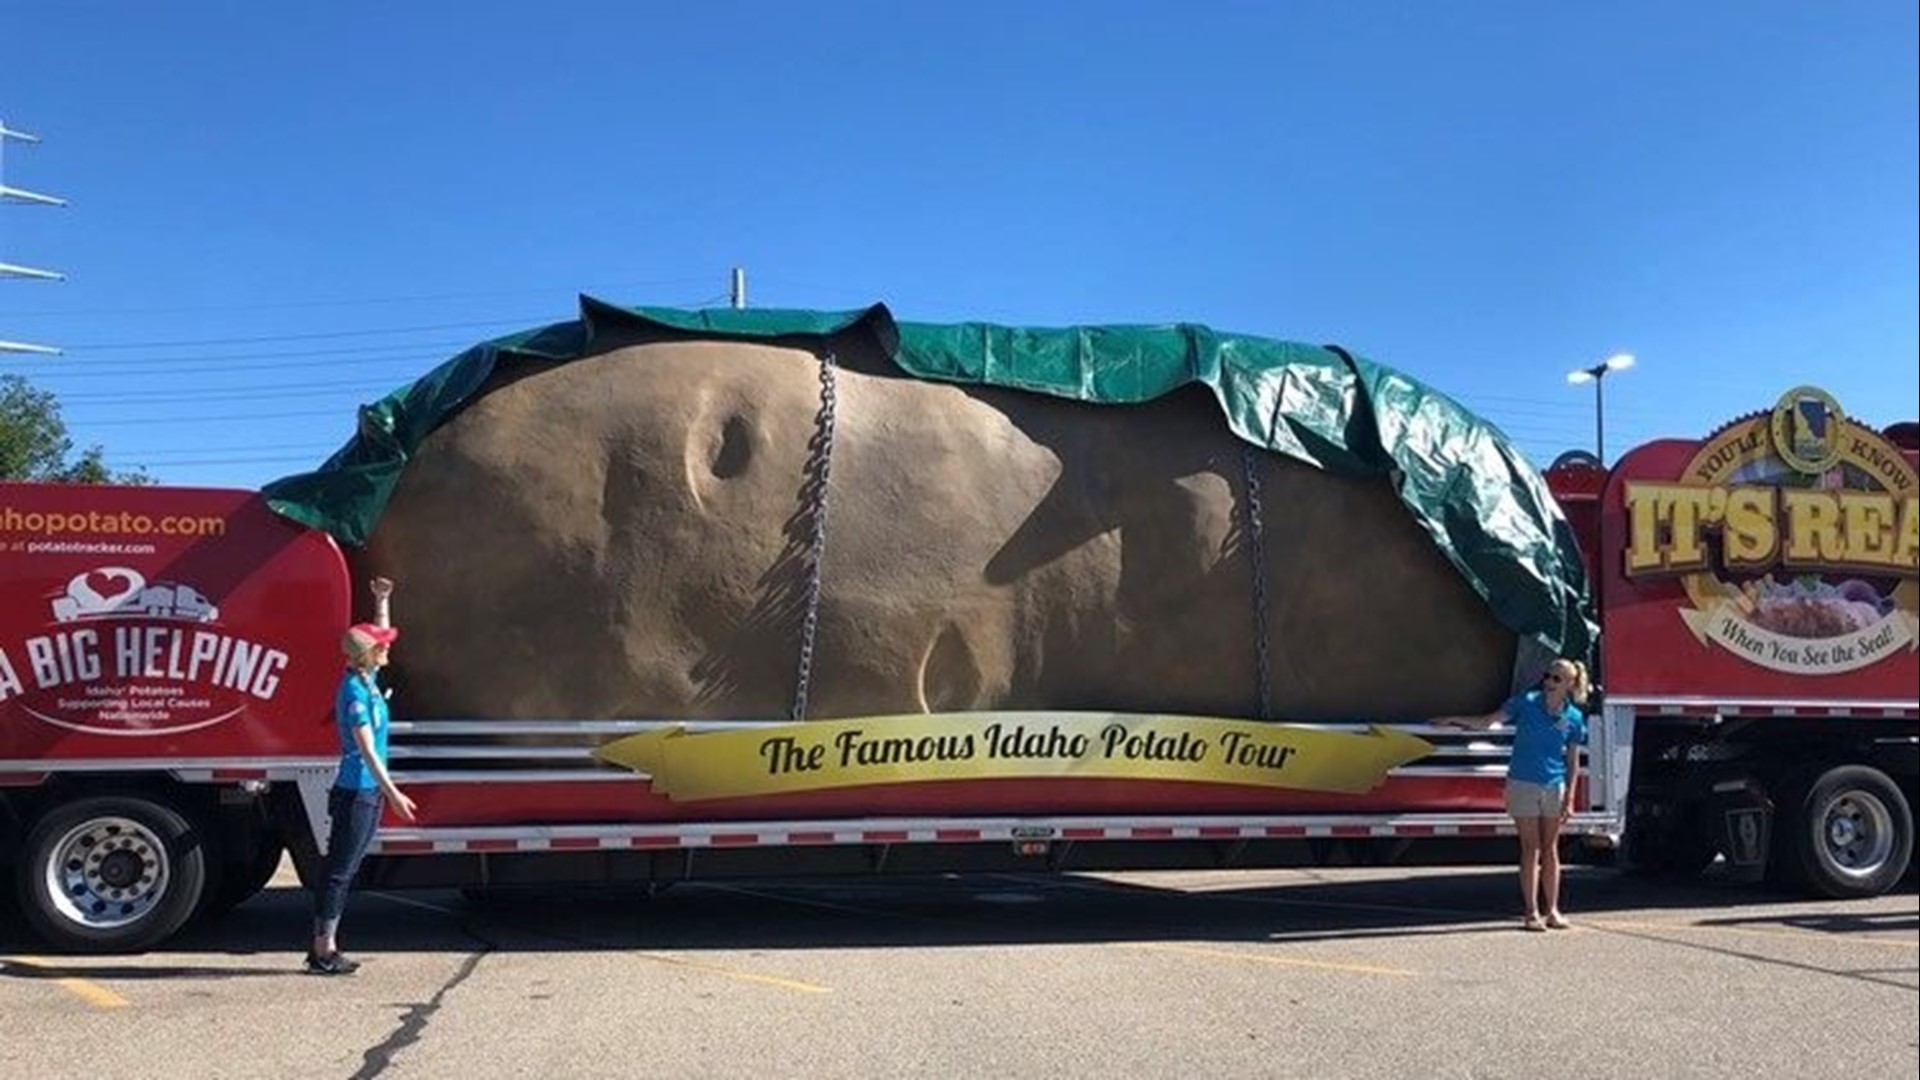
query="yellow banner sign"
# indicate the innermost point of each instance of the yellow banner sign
(1727, 624)
(827, 754)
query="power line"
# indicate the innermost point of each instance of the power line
(446, 349)
(438, 351)
(207, 462)
(322, 335)
(1518, 428)
(314, 454)
(306, 447)
(1490, 406)
(528, 323)
(357, 301)
(1501, 418)
(409, 356)
(173, 423)
(838, 290)
(394, 354)
(175, 396)
(136, 363)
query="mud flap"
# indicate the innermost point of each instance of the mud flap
(1745, 817)
(289, 814)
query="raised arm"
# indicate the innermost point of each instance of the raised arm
(382, 601)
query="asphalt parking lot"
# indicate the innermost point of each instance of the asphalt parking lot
(1345, 973)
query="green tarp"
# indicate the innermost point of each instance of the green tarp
(1484, 506)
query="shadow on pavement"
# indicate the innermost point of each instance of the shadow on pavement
(53, 970)
(965, 910)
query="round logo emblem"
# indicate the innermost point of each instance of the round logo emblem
(1807, 427)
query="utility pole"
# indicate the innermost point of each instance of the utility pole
(737, 295)
(10, 194)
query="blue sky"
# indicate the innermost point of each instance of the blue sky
(278, 212)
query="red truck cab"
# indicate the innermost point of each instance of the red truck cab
(1757, 595)
(151, 636)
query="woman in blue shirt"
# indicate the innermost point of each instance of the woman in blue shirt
(360, 712)
(1549, 729)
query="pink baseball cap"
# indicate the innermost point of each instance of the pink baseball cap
(362, 637)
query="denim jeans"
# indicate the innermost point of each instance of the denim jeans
(355, 816)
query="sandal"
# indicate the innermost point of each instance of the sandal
(1533, 925)
(1557, 921)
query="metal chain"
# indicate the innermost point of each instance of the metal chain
(1255, 514)
(819, 490)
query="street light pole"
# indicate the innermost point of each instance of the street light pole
(1596, 375)
(1600, 417)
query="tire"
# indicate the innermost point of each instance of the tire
(1849, 835)
(241, 880)
(1682, 850)
(10, 916)
(110, 874)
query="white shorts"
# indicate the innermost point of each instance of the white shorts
(1526, 799)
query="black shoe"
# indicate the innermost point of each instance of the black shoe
(334, 964)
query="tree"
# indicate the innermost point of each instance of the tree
(34, 444)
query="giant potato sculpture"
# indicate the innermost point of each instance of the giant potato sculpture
(631, 534)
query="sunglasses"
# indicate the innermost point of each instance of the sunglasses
(1555, 677)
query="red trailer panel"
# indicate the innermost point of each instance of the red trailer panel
(164, 625)
(1774, 561)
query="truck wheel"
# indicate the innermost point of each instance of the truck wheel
(110, 874)
(1681, 850)
(1680, 846)
(241, 880)
(1851, 835)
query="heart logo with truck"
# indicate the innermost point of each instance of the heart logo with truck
(123, 655)
(101, 590)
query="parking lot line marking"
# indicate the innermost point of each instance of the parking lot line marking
(85, 989)
(1754, 931)
(732, 973)
(1278, 961)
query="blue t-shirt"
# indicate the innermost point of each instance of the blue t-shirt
(359, 704)
(1540, 739)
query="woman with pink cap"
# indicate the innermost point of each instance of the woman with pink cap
(360, 711)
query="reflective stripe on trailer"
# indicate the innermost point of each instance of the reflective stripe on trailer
(413, 841)
(189, 770)
(228, 776)
(1763, 709)
(1894, 713)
